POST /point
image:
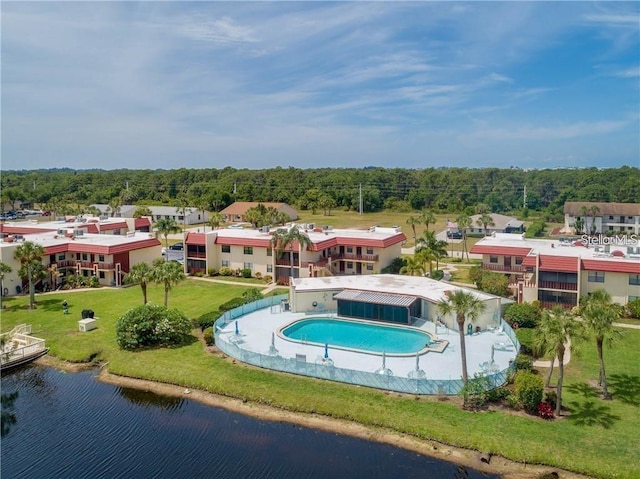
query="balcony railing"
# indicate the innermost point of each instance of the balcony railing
(89, 265)
(195, 254)
(558, 285)
(552, 304)
(516, 268)
(64, 264)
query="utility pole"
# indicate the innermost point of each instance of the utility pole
(360, 201)
(235, 188)
(524, 200)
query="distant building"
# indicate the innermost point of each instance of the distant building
(235, 213)
(602, 217)
(561, 272)
(501, 224)
(190, 216)
(332, 252)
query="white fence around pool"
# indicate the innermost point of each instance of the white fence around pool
(296, 365)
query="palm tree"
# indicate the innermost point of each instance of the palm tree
(30, 256)
(464, 222)
(283, 238)
(142, 211)
(594, 210)
(599, 313)
(167, 273)
(584, 211)
(558, 329)
(485, 220)
(215, 220)
(413, 221)
(428, 217)
(578, 224)
(425, 255)
(4, 269)
(412, 266)
(140, 273)
(466, 306)
(166, 226)
(114, 205)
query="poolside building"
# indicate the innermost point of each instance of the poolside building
(560, 272)
(387, 297)
(332, 252)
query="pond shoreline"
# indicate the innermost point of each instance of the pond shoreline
(466, 457)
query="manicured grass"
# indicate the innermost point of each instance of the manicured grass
(599, 438)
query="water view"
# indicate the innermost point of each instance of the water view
(61, 425)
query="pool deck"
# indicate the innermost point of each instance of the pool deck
(255, 334)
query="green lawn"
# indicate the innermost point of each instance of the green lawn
(600, 438)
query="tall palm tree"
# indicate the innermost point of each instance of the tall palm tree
(599, 313)
(413, 221)
(428, 217)
(115, 204)
(578, 224)
(283, 238)
(466, 306)
(559, 329)
(4, 269)
(413, 266)
(30, 256)
(485, 220)
(215, 220)
(584, 211)
(464, 222)
(594, 210)
(167, 273)
(140, 273)
(166, 226)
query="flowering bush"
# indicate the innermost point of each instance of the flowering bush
(545, 411)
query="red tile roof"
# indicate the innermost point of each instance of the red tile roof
(529, 261)
(614, 266)
(113, 226)
(197, 239)
(82, 247)
(142, 223)
(561, 264)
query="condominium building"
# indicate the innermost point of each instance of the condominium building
(602, 217)
(561, 272)
(72, 250)
(331, 251)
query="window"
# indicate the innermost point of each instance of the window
(610, 228)
(634, 279)
(225, 263)
(248, 266)
(248, 250)
(226, 248)
(519, 259)
(101, 274)
(349, 265)
(269, 268)
(596, 276)
(493, 259)
(369, 250)
(85, 257)
(369, 267)
(349, 249)
(101, 258)
(269, 252)
(610, 217)
(61, 257)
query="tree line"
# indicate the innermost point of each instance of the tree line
(437, 189)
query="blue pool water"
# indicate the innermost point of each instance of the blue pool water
(364, 336)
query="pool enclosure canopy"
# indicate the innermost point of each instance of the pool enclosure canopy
(396, 308)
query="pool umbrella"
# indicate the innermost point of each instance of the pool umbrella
(417, 373)
(326, 350)
(237, 330)
(493, 351)
(272, 349)
(383, 369)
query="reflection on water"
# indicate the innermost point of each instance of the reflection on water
(72, 426)
(8, 418)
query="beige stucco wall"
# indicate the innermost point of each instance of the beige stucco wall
(144, 255)
(301, 302)
(617, 284)
(11, 279)
(489, 318)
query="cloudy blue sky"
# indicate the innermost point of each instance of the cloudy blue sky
(309, 84)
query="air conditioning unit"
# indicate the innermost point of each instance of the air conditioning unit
(79, 232)
(310, 226)
(264, 229)
(61, 232)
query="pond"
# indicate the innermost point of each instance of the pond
(60, 425)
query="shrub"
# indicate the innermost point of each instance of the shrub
(246, 273)
(208, 336)
(545, 411)
(456, 260)
(94, 282)
(438, 275)
(525, 314)
(528, 389)
(512, 401)
(268, 278)
(232, 303)
(551, 397)
(212, 271)
(199, 274)
(151, 325)
(523, 362)
(252, 294)
(394, 267)
(498, 394)
(225, 271)
(476, 391)
(633, 308)
(526, 336)
(258, 275)
(207, 319)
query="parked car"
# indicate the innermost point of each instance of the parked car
(454, 234)
(177, 246)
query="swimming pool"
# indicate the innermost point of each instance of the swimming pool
(358, 335)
